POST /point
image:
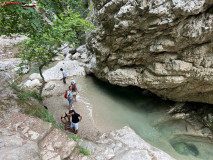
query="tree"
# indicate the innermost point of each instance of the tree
(43, 46)
(48, 26)
(16, 19)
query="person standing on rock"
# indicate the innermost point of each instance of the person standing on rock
(64, 75)
(65, 118)
(69, 96)
(74, 90)
(75, 120)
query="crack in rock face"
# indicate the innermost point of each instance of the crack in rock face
(164, 46)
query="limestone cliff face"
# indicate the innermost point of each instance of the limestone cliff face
(165, 46)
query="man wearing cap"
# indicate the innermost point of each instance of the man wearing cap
(75, 120)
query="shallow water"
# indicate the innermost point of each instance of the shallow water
(114, 107)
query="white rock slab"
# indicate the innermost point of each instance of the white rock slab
(72, 68)
(32, 84)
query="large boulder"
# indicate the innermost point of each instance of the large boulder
(81, 54)
(123, 144)
(35, 76)
(166, 44)
(72, 68)
(9, 64)
(50, 86)
(32, 84)
(81, 49)
(58, 58)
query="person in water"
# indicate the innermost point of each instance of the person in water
(64, 75)
(74, 90)
(70, 96)
(65, 118)
(75, 120)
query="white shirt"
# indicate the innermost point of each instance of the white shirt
(64, 74)
(73, 81)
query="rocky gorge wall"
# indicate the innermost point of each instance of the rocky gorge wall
(164, 46)
(23, 136)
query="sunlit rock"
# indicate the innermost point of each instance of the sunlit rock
(72, 68)
(35, 76)
(32, 84)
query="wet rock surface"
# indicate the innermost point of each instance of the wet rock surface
(163, 46)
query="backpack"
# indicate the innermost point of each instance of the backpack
(65, 95)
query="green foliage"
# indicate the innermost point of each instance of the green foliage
(15, 87)
(61, 126)
(75, 137)
(89, 15)
(42, 47)
(26, 20)
(36, 95)
(38, 112)
(45, 37)
(26, 95)
(46, 116)
(78, 6)
(86, 152)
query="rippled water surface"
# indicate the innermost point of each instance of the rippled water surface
(114, 107)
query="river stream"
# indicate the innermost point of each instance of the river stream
(113, 107)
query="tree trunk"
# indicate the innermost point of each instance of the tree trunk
(43, 80)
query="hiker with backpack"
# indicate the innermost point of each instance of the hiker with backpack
(68, 95)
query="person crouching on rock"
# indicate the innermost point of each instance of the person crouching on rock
(75, 120)
(69, 96)
(65, 118)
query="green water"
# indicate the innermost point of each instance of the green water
(114, 107)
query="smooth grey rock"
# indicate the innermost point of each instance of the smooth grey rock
(76, 56)
(57, 145)
(32, 84)
(72, 68)
(123, 144)
(19, 136)
(81, 49)
(50, 86)
(167, 43)
(35, 76)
